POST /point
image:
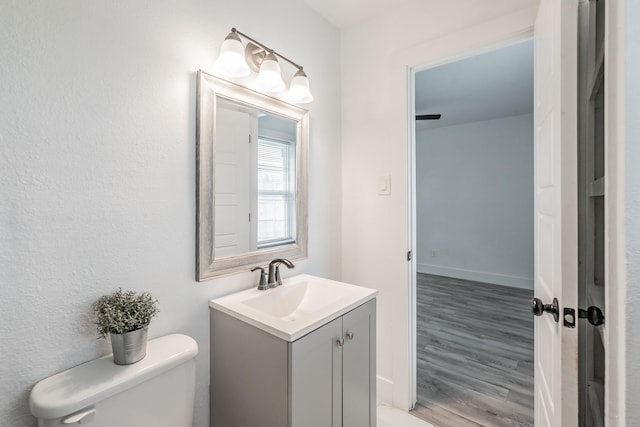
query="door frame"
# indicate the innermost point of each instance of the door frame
(515, 38)
(615, 210)
(616, 259)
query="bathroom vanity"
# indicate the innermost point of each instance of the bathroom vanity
(299, 355)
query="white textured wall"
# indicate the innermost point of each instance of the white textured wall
(375, 56)
(97, 169)
(474, 201)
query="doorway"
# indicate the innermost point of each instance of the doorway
(474, 239)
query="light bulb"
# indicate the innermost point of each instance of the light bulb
(299, 90)
(269, 77)
(231, 62)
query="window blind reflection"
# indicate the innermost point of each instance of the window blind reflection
(276, 192)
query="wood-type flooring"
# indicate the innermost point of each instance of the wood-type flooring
(475, 353)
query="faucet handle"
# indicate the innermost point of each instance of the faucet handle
(263, 279)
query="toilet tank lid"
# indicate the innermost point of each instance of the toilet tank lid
(87, 384)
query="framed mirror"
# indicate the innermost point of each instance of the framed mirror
(251, 189)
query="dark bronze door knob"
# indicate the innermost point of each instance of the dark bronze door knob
(538, 308)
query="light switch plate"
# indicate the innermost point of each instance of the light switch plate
(384, 185)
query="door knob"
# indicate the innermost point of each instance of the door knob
(538, 308)
(593, 315)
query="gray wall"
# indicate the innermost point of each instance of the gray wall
(97, 169)
(474, 197)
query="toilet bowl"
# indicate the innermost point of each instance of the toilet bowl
(157, 391)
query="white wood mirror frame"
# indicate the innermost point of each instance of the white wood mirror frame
(209, 89)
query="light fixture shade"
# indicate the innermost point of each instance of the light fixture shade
(299, 90)
(269, 77)
(231, 62)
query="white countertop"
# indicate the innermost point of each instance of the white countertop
(303, 303)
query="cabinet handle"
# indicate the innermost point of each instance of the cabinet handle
(340, 342)
(349, 335)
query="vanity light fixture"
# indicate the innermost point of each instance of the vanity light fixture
(231, 62)
(238, 61)
(270, 76)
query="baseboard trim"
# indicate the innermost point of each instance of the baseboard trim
(384, 391)
(478, 276)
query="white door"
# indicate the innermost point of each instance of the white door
(555, 168)
(232, 182)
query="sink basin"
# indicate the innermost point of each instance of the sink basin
(302, 304)
(297, 299)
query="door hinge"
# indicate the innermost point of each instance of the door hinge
(409, 255)
(249, 138)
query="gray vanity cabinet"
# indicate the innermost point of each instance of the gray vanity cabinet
(324, 379)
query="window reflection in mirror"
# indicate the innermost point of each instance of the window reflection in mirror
(276, 182)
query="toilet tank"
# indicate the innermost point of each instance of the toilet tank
(157, 391)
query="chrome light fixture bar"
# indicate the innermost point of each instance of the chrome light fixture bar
(236, 60)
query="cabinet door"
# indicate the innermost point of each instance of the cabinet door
(315, 395)
(359, 366)
(248, 369)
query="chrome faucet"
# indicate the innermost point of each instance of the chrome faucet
(274, 271)
(273, 279)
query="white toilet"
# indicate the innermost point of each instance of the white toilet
(157, 391)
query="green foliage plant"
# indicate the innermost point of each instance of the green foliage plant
(124, 311)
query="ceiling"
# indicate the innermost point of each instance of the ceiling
(488, 86)
(346, 13)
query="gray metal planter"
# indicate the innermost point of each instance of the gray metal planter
(130, 347)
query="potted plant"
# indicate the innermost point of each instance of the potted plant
(125, 317)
